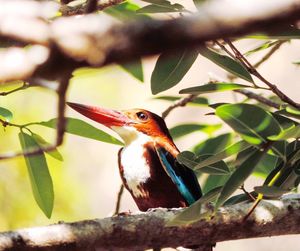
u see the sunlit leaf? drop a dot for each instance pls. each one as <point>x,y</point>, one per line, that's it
<point>184,129</point>
<point>292,132</point>
<point>213,87</point>
<point>135,69</point>
<point>226,63</point>
<point>253,123</point>
<point>285,33</point>
<point>40,179</point>
<point>213,145</point>
<point>270,191</point>
<point>160,6</point>
<point>263,46</point>
<point>6,114</point>
<point>170,68</point>
<point>188,159</point>
<point>193,212</point>
<point>124,11</point>
<point>239,176</point>
<point>284,112</point>
<point>266,165</point>
<point>229,151</point>
<point>195,101</point>
<point>42,142</point>
<point>81,128</point>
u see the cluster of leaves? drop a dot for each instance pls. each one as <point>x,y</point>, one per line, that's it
<point>263,141</point>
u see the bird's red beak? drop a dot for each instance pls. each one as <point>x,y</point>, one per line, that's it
<point>104,116</point>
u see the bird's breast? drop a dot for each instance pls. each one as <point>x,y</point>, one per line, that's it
<point>136,170</point>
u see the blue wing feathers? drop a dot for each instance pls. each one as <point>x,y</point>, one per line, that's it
<point>184,178</point>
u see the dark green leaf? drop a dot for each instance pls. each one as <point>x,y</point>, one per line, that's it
<point>284,112</point>
<point>213,145</point>
<point>270,191</point>
<point>135,69</point>
<point>213,181</point>
<point>6,114</point>
<point>229,151</point>
<point>170,68</point>
<point>196,101</point>
<point>42,142</point>
<point>227,63</point>
<point>239,176</point>
<point>184,129</point>
<point>213,87</point>
<point>81,128</point>
<point>285,123</point>
<point>193,212</point>
<point>40,179</point>
<point>237,199</point>
<point>188,159</point>
<point>253,123</point>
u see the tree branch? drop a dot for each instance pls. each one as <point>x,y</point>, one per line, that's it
<point>148,230</point>
<point>94,40</point>
<point>68,10</point>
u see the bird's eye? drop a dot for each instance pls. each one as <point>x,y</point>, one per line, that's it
<point>142,116</point>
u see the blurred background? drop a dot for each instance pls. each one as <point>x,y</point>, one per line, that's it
<point>86,183</point>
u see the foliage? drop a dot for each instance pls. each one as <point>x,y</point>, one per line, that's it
<point>262,140</point>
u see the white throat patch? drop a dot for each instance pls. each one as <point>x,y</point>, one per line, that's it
<point>136,170</point>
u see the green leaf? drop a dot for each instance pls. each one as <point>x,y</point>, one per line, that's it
<point>190,160</point>
<point>285,123</point>
<point>239,198</point>
<point>213,181</point>
<point>124,11</point>
<point>39,175</point>
<point>270,191</point>
<point>42,142</point>
<point>184,129</point>
<point>265,165</point>
<point>253,123</point>
<point>229,151</point>
<point>135,69</point>
<point>198,3</point>
<point>213,145</point>
<point>226,63</point>
<point>81,128</point>
<point>193,212</point>
<point>263,46</point>
<point>196,101</point>
<point>213,87</point>
<point>160,6</point>
<point>170,68</point>
<point>6,114</point>
<point>239,176</point>
<point>292,132</point>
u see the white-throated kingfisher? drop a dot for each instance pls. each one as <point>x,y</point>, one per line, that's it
<point>147,162</point>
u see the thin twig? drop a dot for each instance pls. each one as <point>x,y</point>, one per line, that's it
<point>247,193</point>
<point>60,129</point>
<point>243,60</point>
<point>259,98</point>
<point>270,53</point>
<point>178,103</point>
<point>24,86</point>
<point>118,203</point>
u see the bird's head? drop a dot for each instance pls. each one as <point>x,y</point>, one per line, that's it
<point>129,124</point>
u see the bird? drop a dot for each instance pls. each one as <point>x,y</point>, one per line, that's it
<point>147,162</point>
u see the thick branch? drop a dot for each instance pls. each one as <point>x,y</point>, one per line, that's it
<point>148,230</point>
<point>94,40</point>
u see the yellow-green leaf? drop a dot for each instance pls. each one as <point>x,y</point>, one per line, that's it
<point>6,114</point>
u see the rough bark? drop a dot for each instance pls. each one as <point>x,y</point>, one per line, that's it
<point>96,40</point>
<point>148,230</point>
